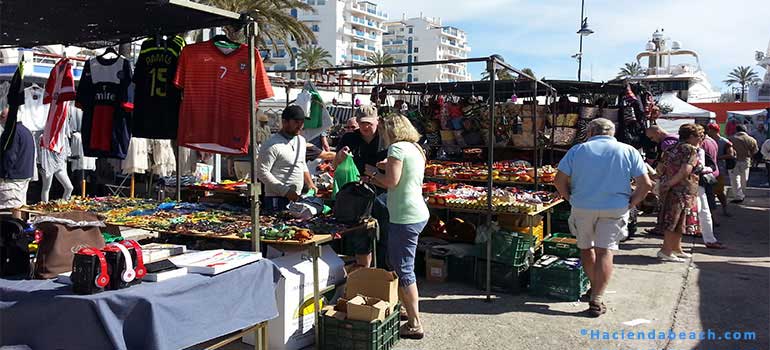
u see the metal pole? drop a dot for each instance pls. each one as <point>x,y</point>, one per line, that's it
<point>580,51</point>
<point>535,160</point>
<point>251,32</point>
<point>178,173</point>
<point>491,65</point>
<point>83,178</point>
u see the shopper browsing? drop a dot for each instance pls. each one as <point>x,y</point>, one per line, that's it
<point>707,153</point>
<point>364,145</point>
<point>595,177</point>
<point>745,147</point>
<point>403,178</point>
<point>679,193</point>
<point>16,162</point>
<point>725,161</point>
<point>281,164</point>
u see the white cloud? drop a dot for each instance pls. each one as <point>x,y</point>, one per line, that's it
<point>724,33</point>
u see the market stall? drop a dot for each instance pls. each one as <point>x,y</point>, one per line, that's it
<point>107,23</point>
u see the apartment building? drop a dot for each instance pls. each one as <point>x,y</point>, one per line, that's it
<point>426,39</point>
<point>350,30</point>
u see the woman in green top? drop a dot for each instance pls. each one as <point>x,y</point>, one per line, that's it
<point>404,171</point>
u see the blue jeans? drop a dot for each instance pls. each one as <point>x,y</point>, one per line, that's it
<point>402,248</point>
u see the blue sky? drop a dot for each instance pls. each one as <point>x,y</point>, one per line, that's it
<point>541,34</point>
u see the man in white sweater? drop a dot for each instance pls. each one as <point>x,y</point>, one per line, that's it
<point>281,164</point>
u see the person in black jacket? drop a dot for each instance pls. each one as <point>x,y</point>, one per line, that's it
<point>17,163</point>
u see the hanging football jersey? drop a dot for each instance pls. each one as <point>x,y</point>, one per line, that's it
<point>59,90</point>
<point>214,116</point>
<point>103,96</point>
<point>156,98</point>
<point>33,112</point>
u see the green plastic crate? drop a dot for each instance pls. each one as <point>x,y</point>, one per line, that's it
<point>360,335</point>
<point>505,279</point>
<point>556,281</point>
<point>561,249</point>
<point>461,269</point>
<point>512,249</point>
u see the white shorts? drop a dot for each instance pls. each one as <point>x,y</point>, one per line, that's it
<point>13,193</point>
<point>599,228</point>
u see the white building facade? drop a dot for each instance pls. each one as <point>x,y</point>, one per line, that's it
<point>350,30</point>
<point>423,39</point>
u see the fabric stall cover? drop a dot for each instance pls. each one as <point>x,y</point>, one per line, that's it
<point>320,119</point>
<point>682,109</point>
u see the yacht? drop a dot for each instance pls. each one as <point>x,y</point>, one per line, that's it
<point>670,68</point>
<point>761,92</point>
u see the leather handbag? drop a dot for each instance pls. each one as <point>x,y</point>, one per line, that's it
<point>354,202</point>
<point>14,247</point>
<point>64,234</point>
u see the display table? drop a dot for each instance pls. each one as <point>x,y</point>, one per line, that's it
<point>172,314</point>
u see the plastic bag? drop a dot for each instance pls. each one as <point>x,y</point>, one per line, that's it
<point>345,172</point>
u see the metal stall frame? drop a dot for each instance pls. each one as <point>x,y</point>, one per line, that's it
<point>494,64</point>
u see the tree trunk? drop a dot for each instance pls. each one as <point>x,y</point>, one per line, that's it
<point>743,92</point>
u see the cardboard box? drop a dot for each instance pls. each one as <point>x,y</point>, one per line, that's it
<point>375,283</point>
<point>435,269</point>
<point>293,328</point>
<point>363,308</point>
<point>329,311</point>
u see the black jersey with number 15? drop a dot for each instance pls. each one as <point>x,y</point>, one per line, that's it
<point>156,99</point>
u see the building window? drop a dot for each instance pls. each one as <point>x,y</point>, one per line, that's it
<point>401,30</point>
<point>311,2</point>
<point>315,28</point>
<point>416,79</point>
<point>294,13</point>
<point>411,30</point>
<point>415,59</point>
<point>320,2</point>
<point>416,50</point>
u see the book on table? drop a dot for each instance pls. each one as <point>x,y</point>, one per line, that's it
<point>213,262</point>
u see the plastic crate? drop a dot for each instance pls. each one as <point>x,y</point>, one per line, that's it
<point>557,281</point>
<point>359,335</point>
<point>512,249</point>
<point>462,269</point>
<point>562,245</point>
<point>505,278</point>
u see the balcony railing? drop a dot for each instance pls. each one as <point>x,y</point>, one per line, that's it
<point>359,58</point>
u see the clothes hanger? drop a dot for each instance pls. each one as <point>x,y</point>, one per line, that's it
<point>224,42</point>
<point>109,51</point>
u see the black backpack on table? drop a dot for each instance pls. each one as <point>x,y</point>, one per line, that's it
<point>14,249</point>
<point>354,203</point>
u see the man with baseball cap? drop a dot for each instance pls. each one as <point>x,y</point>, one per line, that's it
<point>281,164</point>
<point>364,145</point>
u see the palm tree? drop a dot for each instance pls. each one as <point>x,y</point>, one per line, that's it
<point>274,20</point>
<point>502,74</point>
<point>630,70</point>
<point>313,57</point>
<point>743,76</point>
<point>529,72</point>
<point>380,58</point>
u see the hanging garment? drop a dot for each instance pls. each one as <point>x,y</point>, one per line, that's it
<point>103,97</point>
<point>33,113</point>
<point>137,158</point>
<point>15,99</point>
<point>214,116</point>
<point>156,98</point>
<point>163,160</point>
<point>78,160</point>
<point>59,90</point>
<point>52,162</point>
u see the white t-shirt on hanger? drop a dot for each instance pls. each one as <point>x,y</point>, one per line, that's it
<point>33,113</point>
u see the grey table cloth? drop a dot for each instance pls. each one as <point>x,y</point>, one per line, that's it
<point>171,314</point>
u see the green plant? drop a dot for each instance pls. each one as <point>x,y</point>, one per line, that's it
<point>743,76</point>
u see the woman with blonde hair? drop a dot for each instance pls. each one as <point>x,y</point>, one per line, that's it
<point>404,170</point>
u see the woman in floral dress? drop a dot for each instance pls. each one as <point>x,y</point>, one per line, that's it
<point>679,193</point>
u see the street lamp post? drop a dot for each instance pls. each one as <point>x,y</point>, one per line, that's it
<point>584,31</point>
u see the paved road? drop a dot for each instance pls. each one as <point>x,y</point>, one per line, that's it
<point>718,290</point>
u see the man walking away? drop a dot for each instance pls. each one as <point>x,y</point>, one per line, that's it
<point>766,155</point>
<point>745,147</point>
<point>595,177</point>
<point>725,162</point>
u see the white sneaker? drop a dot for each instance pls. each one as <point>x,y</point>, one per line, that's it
<point>683,255</point>
<point>670,258</point>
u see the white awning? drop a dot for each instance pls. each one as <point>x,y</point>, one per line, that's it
<point>682,109</point>
<point>749,113</point>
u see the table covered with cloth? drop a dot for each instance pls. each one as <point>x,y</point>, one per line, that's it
<point>172,314</point>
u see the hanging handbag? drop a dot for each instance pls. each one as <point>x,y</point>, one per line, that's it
<point>354,203</point>
<point>64,234</point>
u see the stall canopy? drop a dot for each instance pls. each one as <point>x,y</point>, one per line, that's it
<point>98,23</point>
<point>750,113</point>
<point>682,109</point>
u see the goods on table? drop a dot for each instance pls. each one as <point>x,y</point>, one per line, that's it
<point>193,218</point>
<point>502,171</point>
<point>504,200</point>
